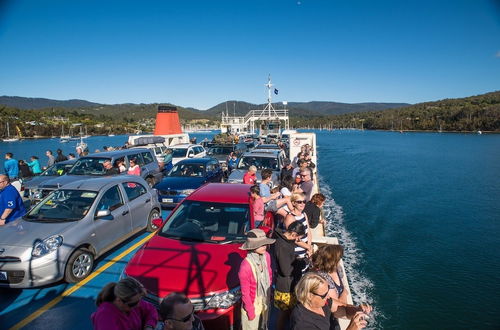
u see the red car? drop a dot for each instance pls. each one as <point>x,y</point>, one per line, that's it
<point>196,251</point>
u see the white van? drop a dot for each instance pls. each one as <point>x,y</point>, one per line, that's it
<point>186,150</point>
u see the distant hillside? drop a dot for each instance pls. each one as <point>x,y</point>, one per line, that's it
<point>473,113</point>
<point>302,109</point>
<point>40,103</point>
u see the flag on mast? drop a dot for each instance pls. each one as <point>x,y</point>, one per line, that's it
<point>276,91</point>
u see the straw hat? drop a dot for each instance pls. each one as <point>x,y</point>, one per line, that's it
<point>255,239</point>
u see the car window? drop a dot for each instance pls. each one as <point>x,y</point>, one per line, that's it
<point>111,200</point>
<point>208,221</point>
<point>62,205</point>
<point>133,190</point>
<point>137,158</point>
<point>89,166</point>
<point>179,152</point>
<point>259,162</point>
<point>188,170</point>
<point>148,158</point>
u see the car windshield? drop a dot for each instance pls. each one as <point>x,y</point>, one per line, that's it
<point>179,152</point>
<point>89,166</point>
<point>57,170</point>
<point>220,150</point>
<point>63,205</point>
<point>208,222</point>
<point>191,170</point>
<point>259,162</point>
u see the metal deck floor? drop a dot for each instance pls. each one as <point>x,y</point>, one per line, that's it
<point>62,305</point>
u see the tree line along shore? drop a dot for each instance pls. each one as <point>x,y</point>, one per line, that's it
<point>470,114</point>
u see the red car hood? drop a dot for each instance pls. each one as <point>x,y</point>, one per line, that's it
<point>165,265</point>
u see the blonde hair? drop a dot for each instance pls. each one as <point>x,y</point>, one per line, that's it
<point>252,168</point>
<point>297,197</point>
<point>309,283</point>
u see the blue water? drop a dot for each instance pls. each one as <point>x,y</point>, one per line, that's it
<point>418,214</point>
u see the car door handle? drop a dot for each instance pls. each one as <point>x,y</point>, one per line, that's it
<point>147,200</point>
<point>125,212</point>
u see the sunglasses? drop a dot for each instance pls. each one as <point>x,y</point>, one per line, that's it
<point>300,202</point>
<point>185,318</point>
<point>322,296</point>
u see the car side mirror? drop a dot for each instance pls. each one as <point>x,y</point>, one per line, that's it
<point>104,214</point>
<point>190,155</point>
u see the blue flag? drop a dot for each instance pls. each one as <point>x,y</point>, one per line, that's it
<point>276,91</point>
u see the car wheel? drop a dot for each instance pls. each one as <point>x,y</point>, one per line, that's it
<point>153,215</point>
<point>150,181</point>
<point>79,265</point>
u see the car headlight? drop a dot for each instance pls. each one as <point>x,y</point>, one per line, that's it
<point>186,191</point>
<point>225,299</point>
<point>48,245</point>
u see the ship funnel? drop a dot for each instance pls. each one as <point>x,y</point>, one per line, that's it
<point>167,121</point>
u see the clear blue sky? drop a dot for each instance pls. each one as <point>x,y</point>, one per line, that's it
<point>201,53</point>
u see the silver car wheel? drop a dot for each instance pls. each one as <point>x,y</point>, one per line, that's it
<point>153,215</point>
<point>82,265</point>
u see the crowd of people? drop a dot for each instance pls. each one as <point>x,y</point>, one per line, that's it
<point>303,282</point>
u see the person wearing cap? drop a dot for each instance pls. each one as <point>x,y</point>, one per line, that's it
<point>286,170</point>
<point>250,177</point>
<point>256,278</point>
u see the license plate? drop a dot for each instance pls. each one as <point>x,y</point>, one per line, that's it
<point>167,200</point>
<point>3,276</point>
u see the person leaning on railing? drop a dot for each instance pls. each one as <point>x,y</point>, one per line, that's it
<point>316,310</point>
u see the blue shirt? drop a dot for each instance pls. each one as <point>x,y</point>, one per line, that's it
<point>10,199</point>
<point>35,166</point>
<point>11,168</point>
<point>265,191</point>
<point>231,163</point>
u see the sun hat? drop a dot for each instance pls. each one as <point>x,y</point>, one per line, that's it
<point>255,239</point>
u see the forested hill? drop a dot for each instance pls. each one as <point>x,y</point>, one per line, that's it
<point>40,103</point>
<point>314,108</point>
<point>480,112</point>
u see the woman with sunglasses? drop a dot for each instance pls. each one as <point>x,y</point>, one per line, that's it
<point>120,306</point>
<point>303,250</point>
<point>315,310</point>
<point>134,168</point>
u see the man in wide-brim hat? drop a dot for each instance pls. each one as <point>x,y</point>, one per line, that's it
<point>255,279</point>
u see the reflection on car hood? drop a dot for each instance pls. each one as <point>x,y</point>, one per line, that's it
<point>37,180</point>
<point>199,268</point>
<point>25,233</point>
<point>177,183</point>
<point>62,180</point>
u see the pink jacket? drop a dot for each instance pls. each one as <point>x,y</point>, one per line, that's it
<point>109,317</point>
<point>249,285</point>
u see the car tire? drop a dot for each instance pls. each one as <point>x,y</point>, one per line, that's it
<point>150,181</point>
<point>79,265</point>
<point>153,215</point>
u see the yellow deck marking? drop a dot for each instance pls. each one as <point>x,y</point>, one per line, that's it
<point>78,285</point>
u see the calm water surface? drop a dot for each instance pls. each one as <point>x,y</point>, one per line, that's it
<point>418,214</point>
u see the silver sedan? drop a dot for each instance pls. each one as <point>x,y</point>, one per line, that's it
<point>62,235</point>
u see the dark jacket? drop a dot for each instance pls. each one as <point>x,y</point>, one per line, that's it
<point>284,254</point>
<point>61,158</point>
<point>313,214</point>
